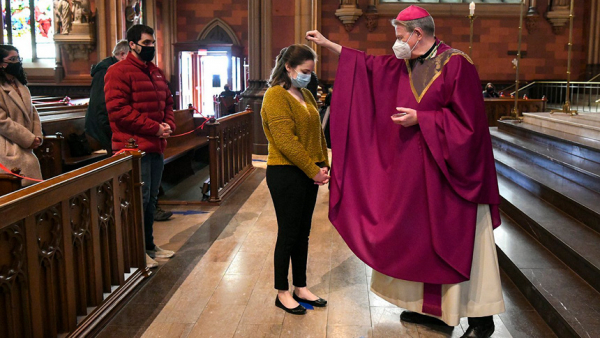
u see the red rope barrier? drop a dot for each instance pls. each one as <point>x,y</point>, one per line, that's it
<point>195,129</point>
<point>17,175</point>
<point>66,100</point>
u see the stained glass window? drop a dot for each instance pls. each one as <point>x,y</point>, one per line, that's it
<point>44,29</point>
<point>31,32</point>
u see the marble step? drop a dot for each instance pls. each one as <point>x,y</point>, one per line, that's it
<point>576,145</point>
<point>521,318</point>
<point>572,167</point>
<point>573,199</point>
<point>585,127</point>
<point>575,244</point>
<point>567,304</point>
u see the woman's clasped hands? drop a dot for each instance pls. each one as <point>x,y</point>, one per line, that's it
<point>322,177</point>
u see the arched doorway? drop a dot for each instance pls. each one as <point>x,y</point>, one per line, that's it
<point>206,65</point>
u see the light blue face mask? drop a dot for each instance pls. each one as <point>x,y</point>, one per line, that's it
<point>301,81</point>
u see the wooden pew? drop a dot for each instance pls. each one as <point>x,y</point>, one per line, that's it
<point>230,147</point>
<point>50,109</point>
<point>66,243</point>
<point>498,107</point>
<point>55,154</point>
<point>9,183</point>
<point>178,146</point>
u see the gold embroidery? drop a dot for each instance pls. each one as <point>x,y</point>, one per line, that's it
<point>438,62</point>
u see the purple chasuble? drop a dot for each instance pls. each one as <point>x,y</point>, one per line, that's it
<point>405,199</point>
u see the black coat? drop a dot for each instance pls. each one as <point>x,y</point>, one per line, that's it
<point>96,118</point>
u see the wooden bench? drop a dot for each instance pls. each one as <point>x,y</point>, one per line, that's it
<point>72,250</point>
<point>498,107</point>
<point>178,146</point>
<point>55,154</point>
<point>230,153</point>
<point>62,108</point>
<point>9,183</point>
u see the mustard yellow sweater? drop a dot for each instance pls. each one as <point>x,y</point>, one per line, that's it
<point>294,132</point>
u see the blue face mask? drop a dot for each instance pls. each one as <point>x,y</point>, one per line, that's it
<point>301,80</point>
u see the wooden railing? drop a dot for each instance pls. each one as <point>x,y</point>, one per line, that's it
<point>9,183</point>
<point>499,107</point>
<point>230,144</point>
<point>69,244</point>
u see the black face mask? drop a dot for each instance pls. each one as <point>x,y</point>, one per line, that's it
<point>147,53</point>
<point>16,70</point>
<point>490,90</point>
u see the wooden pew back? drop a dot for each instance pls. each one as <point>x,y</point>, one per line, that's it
<point>185,122</point>
<point>230,147</point>
<point>55,154</point>
<point>67,241</point>
<point>498,107</point>
<point>9,183</point>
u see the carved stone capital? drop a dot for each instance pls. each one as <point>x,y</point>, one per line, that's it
<point>348,14</point>
<point>372,18</point>
<point>80,42</point>
<point>558,18</point>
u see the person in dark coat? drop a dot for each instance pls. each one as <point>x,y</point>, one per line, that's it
<point>96,118</point>
<point>227,91</point>
<point>490,92</point>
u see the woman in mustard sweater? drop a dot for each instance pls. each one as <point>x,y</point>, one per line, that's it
<point>297,164</point>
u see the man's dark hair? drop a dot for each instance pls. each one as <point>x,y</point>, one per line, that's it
<point>135,32</point>
<point>226,87</point>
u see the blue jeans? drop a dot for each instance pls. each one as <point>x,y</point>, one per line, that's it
<point>152,169</point>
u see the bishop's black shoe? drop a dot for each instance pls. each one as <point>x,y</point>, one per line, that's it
<point>417,318</point>
<point>316,303</point>
<point>298,310</point>
<point>480,327</point>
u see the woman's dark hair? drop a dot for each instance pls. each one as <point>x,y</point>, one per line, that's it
<point>293,56</point>
<point>4,51</point>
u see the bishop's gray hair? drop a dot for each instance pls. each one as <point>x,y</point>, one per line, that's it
<point>426,24</point>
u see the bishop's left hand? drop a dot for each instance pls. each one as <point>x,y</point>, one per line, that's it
<point>408,120</point>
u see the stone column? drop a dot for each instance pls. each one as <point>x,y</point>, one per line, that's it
<point>307,18</point>
<point>260,63</point>
<point>169,28</point>
<point>101,27</point>
<point>593,57</point>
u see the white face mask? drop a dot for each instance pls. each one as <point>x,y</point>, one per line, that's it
<point>301,81</point>
<point>402,49</point>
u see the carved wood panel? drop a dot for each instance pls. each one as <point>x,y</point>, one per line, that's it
<point>106,223</point>
<point>127,222</point>
<point>53,293</point>
<point>83,253</point>
<point>14,299</point>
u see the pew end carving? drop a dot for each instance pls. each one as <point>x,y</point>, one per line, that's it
<point>230,148</point>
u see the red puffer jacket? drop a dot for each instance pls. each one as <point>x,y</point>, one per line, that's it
<point>137,100</point>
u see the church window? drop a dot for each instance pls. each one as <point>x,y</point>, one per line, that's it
<point>31,31</point>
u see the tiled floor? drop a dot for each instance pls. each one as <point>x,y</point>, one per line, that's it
<point>229,292</point>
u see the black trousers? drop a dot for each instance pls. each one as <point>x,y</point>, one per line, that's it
<point>294,196</point>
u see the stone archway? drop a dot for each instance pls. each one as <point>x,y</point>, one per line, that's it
<point>218,31</point>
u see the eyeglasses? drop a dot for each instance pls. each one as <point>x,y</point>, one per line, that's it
<point>13,59</point>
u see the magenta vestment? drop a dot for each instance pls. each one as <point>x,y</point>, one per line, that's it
<point>405,199</point>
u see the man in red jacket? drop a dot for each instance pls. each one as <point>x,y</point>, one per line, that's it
<point>140,106</point>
